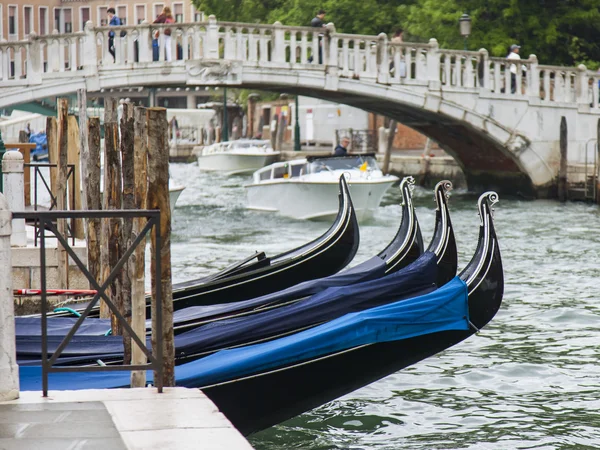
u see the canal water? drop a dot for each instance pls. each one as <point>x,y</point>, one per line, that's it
<point>530,379</point>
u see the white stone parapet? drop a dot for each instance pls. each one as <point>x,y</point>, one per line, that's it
<point>14,191</point>
<point>9,371</point>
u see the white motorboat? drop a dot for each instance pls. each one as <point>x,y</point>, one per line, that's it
<point>308,188</point>
<point>174,193</point>
<point>236,157</point>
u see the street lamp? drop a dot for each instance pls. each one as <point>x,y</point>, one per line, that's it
<point>297,127</point>
<point>465,27</point>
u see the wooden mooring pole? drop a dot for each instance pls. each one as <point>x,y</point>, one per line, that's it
<point>562,171</point>
<point>597,165</point>
<point>61,188</point>
<point>74,183</point>
<point>111,229</point>
<point>92,195</point>
<point>137,261</point>
<point>127,156</point>
<point>158,198</point>
<point>388,148</point>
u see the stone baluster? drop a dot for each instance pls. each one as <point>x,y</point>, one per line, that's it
<point>408,62</point>
<point>547,94</point>
<point>483,69</point>
<point>330,47</point>
<point>34,63</point>
<point>583,85</point>
<point>73,63</point>
<point>559,86</point>
<point>433,65</point>
<point>4,62</point>
<point>383,63</point>
<point>315,47</point>
<point>17,62</point>
<point>9,370</point>
<point>144,41</point>
<point>130,45</point>
<point>212,38</point>
<point>304,51</point>
<point>507,78</point>
<point>252,46</point>
<point>533,77</point>
<point>519,78</point>
<point>54,53</point>
<point>229,44</point>
<point>397,55</point>
<point>278,52</point>
<point>293,47</point>
<point>263,42</point>
<point>345,57</point>
<point>89,54</point>
<point>358,65</point>
<point>14,192</point>
<point>240,45</point>
<point>595,93</point>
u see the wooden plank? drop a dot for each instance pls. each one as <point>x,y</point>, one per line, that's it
<point>138,286</point>
<point>128,203</point>
<point>74,183</point>
<point>111,233</point>
<point>61,188</point>
<point>158,198</point>
<point>93,199</point>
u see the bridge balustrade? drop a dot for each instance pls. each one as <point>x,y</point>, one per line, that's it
<point>372,58</point>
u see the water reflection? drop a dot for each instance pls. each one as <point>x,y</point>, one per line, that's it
<point>530,379</point>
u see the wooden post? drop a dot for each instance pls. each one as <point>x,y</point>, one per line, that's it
<point>74,184</point>
<point>158,198</point>
<point>51,137</point>
<point>61,188</point>
<point>138,284</point>
<point>92,197</point>
<point>562,171</point>
<point>83,143</point>
<point>128,203</point>
<point>388,148</point>
<point>111,230</point>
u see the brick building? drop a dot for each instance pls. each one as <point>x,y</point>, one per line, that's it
<point>18,18</point>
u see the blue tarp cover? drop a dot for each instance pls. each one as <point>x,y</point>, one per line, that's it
<point>441,310</point>
<point>415,279</point>
<point>368,270</point>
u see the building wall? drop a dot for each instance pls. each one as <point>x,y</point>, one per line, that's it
<point>19,17</point>
<point>405,138</point>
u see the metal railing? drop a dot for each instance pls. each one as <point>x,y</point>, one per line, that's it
<point>155,357</point>
<point>53,200</point>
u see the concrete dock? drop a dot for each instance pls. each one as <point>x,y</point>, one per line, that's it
<point>116,419</point>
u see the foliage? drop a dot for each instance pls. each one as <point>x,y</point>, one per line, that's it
<point>560,32</point>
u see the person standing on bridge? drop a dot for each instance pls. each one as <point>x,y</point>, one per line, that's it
<point>166,17</point>
<point>513,54</point>
<point>319,22</point>
<point>113,21</point>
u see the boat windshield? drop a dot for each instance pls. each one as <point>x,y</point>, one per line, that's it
<point>250,144</point>
<point>343,163</point>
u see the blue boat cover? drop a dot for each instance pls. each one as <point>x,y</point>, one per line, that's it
<point>441,310</point>
<point>59,326</point>
<point>415,279</point>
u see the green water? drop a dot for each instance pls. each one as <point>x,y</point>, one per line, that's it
<point>529,380</point>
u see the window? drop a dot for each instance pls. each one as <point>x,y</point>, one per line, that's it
<point>57,20</point>
<point>122,14</point>
<point>158,7</point>
<point>197,15</point>
<point>12,20</point>
<point>84,16</point>
<point>43,20</point>
<point>103,15</point>
<point>27,20</point>
<point>178,12</point>
<point>68,20</point>
<point>140,13</point>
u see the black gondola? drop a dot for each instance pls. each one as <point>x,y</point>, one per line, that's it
<point>260,400</point>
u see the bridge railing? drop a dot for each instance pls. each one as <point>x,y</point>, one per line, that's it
<point>366,57</point>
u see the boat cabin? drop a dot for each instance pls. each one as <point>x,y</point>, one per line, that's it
<point>315,164</point>
<point>238,145</point>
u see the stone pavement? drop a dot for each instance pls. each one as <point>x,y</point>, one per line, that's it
<point>116,419</point>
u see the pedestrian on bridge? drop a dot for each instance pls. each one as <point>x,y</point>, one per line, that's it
<point>513,54</point>
<point>166,17</point>
<point>113,21</point>
<point>319,22</point>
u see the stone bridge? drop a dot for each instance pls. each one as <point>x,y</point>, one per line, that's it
<point>461,99</point>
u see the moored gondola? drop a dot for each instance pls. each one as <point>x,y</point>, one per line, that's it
<point>261,385</point>
<point>264,398</point>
